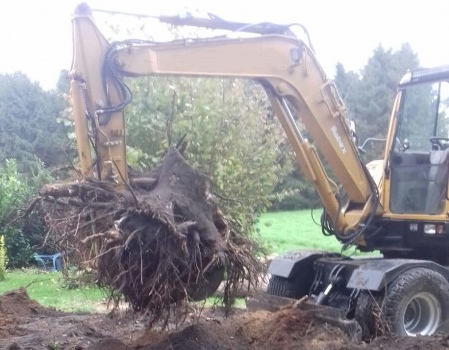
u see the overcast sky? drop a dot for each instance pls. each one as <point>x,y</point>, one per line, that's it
<point>36,34</point>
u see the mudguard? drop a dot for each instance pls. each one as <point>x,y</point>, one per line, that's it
<point>367,273</point>
<point>288,264</point>
<point>375,274</point>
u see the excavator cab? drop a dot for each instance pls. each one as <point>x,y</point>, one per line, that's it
<point>418,160</point>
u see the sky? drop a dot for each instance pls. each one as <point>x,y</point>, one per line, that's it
<point>36,40</point>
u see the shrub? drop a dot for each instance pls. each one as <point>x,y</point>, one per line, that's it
<point>16,189</point>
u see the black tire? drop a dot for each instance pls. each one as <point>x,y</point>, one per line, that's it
<point>285,287</point>
<point>416,303</point>
<point>368,314</point>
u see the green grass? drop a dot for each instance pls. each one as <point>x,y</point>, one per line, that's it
<point>46,289</point>
<point>292,230</point>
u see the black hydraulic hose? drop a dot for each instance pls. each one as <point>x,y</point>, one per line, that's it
<point>328,228</point>
<point>111,70</point>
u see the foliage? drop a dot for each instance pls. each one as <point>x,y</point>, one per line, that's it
<point>369,95</point>
<point>28,126</point>
<point>293,192</point>
<point>30,140</point>
<point>18,247</point>
<point>16,189</point>
<point>73,278</point>
<point>2,258</point>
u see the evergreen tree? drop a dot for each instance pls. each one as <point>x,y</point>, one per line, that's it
<point>28,127</point>
<point>369,96</point>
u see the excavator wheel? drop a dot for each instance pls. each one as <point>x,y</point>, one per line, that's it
<point>285,287</point>
<point>417,303</point>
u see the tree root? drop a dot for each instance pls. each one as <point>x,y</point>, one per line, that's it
<point>162,245</point>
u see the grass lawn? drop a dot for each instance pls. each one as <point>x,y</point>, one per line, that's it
<point>45,287</point>
<point>292,230</point>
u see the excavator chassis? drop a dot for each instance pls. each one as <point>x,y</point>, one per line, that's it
<point>328,285</point>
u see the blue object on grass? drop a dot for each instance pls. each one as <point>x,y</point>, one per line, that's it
<point>49,262</point>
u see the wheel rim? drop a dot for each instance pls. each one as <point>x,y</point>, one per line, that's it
<point>422,315</point>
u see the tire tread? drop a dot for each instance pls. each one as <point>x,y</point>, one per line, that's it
<point>282,287</point>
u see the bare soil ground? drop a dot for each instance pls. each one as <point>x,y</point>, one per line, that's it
<point>24,324</point>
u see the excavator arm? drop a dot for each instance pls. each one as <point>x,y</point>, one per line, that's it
<point>286,67</point>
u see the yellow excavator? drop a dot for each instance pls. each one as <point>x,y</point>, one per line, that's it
<point>397,205</point>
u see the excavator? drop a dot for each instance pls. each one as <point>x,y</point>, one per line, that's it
<point>397,206</point>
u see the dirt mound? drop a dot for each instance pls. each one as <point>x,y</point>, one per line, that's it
<point>24,324</point>
<point>16,306</point>
<point>289,328</point>
<point>200,336</point>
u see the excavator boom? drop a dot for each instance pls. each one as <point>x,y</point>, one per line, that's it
<point>285,66</point>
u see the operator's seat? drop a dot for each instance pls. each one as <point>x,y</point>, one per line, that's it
<point>437,180</point>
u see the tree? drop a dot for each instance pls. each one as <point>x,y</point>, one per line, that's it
<point>369,95</point>
<point>28,126</point>
<point>16,189</point>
